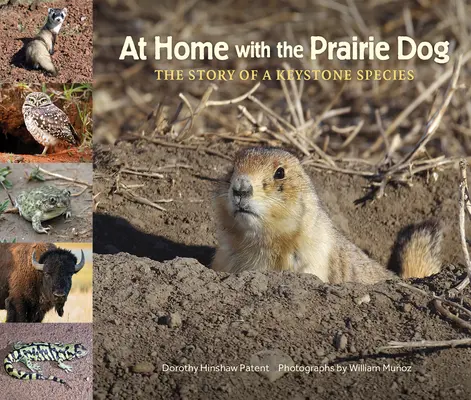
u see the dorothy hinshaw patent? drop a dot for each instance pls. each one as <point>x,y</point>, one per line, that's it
<point>406,48</point>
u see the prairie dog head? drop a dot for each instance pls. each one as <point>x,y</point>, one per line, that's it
<point>265,192</point>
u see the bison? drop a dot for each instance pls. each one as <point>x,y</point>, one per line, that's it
<point>34,278</point>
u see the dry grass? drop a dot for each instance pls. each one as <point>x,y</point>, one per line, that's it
<point>319,119</point>
<point>79,308</point>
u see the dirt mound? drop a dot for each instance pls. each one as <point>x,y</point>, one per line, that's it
<point>180,313</point>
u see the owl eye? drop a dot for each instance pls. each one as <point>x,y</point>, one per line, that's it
<point>279,173</point>
<point>52,200</point>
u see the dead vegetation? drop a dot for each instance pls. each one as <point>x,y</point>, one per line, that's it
<point>385,131</point>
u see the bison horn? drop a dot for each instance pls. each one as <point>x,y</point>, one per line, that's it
<point>35,262</point>
<point>80,265</point>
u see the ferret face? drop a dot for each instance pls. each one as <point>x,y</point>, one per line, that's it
<point>57,15</point>
<point>265,188</point>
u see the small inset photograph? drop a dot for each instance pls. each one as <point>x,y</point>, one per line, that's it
<point>46,282</point>
<point>46,202</point>
<point>46,123</point>
<point>46,41</point>
<point>53,361</point>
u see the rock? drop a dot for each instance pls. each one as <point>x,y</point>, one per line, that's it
<point>363,299</point>
<point>407,307</point>
<point>244,312</point>
<point>340,341</point>
<point>271,359</point>
<point>144,367</point>
<point>259,284</point>
<point>174,320</point>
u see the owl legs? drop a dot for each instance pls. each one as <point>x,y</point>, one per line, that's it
<point>45,151</point>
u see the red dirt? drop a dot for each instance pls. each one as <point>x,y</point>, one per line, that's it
<point>74,47</point>
<point>67,156</point>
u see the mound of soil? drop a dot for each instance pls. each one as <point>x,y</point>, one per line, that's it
<point>179,313</point>
<point>73,55</point>
<point>152,308</point>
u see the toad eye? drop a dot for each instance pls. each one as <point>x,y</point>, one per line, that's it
<point>279,173</point>
<point>52,200</point>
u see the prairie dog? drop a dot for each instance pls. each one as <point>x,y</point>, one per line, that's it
<point>40,49</point>
<point>270,218</point>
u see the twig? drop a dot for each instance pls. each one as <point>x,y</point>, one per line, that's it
<point>435,297</point>
<point>457,320</point>
<point>464,245</point>
<point>143,200</point>
<point>234,100</point>
<point>79,193</point>
<point>426,343</point>
<point>78,181</point>
<point>352,134</point>
<point>8,194</point>
<point>181,146</point>
<point>189,123</point>
<point>149,174</point>
<point>347,171</point>
<point>434,122</point>
<point>419,100</point>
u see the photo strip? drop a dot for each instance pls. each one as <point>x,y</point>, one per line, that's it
<point>46,199</point>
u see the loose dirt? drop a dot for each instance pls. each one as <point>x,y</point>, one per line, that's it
<point>80,379</point>
<point>152,306</point>
<point>73,55</point>
<point>76,229</point>
<point>63,156</point>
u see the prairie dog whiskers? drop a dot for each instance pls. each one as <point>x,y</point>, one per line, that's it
<point>269,217</point>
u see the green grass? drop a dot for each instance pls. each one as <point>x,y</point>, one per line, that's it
<point>4,206</point>
<point>5,183</point>
<point>36,175</point>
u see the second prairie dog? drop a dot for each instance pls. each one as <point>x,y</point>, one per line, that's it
<point>270,218</point>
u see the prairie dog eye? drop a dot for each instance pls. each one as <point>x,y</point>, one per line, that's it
<point>279,173</point>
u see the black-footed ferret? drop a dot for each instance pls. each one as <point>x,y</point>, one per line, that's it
<point>40,49</point>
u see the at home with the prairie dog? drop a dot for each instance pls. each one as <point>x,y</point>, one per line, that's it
<point>269,217</point>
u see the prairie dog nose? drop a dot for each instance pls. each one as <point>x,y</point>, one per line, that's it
<point>242,187</point>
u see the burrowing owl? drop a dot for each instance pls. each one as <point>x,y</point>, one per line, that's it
<point>47,123</point>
